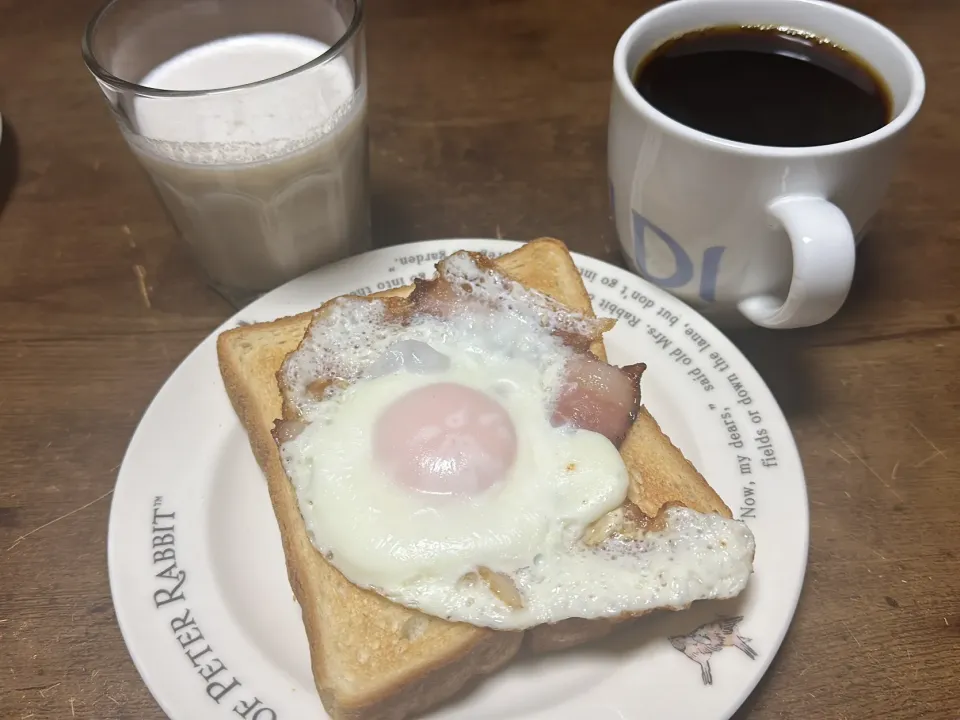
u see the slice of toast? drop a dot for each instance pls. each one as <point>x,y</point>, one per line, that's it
<point>373,659</point>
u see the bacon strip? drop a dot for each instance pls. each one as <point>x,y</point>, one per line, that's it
<point>288,429</point>
<point>599,397</point>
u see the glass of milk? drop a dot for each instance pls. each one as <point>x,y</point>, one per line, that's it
<point>250,120</point>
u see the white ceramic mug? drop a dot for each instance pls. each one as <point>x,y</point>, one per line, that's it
<point>727,226</point>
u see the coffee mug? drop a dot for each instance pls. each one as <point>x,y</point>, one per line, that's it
<point>735,229</point>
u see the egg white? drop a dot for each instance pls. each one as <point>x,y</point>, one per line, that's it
<point>382,535</point>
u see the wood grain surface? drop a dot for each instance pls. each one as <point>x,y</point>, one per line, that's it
<point>487,118</point>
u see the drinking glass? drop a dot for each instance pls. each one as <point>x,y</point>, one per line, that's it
<point>249,118</point>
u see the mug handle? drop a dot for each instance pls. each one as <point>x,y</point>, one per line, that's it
<point>824,253</point>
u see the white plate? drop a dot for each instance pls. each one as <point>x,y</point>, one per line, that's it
<point>197,571</point>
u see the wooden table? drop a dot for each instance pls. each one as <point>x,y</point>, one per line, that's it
<point>487,118</point>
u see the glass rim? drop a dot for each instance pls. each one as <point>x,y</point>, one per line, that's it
<point>119,84</point>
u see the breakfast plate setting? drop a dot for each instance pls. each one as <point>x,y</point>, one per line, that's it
<point>197,568</point>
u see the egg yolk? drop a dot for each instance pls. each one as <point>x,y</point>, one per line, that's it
<point>445,439</point>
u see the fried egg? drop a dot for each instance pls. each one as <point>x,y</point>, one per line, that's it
<point>434,471</point>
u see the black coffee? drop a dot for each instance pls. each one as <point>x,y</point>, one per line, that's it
<point>764,86</point>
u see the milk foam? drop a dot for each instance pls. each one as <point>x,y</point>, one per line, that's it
<point>246,124</point>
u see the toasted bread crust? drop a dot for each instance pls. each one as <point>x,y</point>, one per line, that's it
<point>375,660</point>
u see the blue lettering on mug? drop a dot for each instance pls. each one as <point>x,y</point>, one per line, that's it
<point>709,273</point>
<point>683,264</point>
<point>683,271</point>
